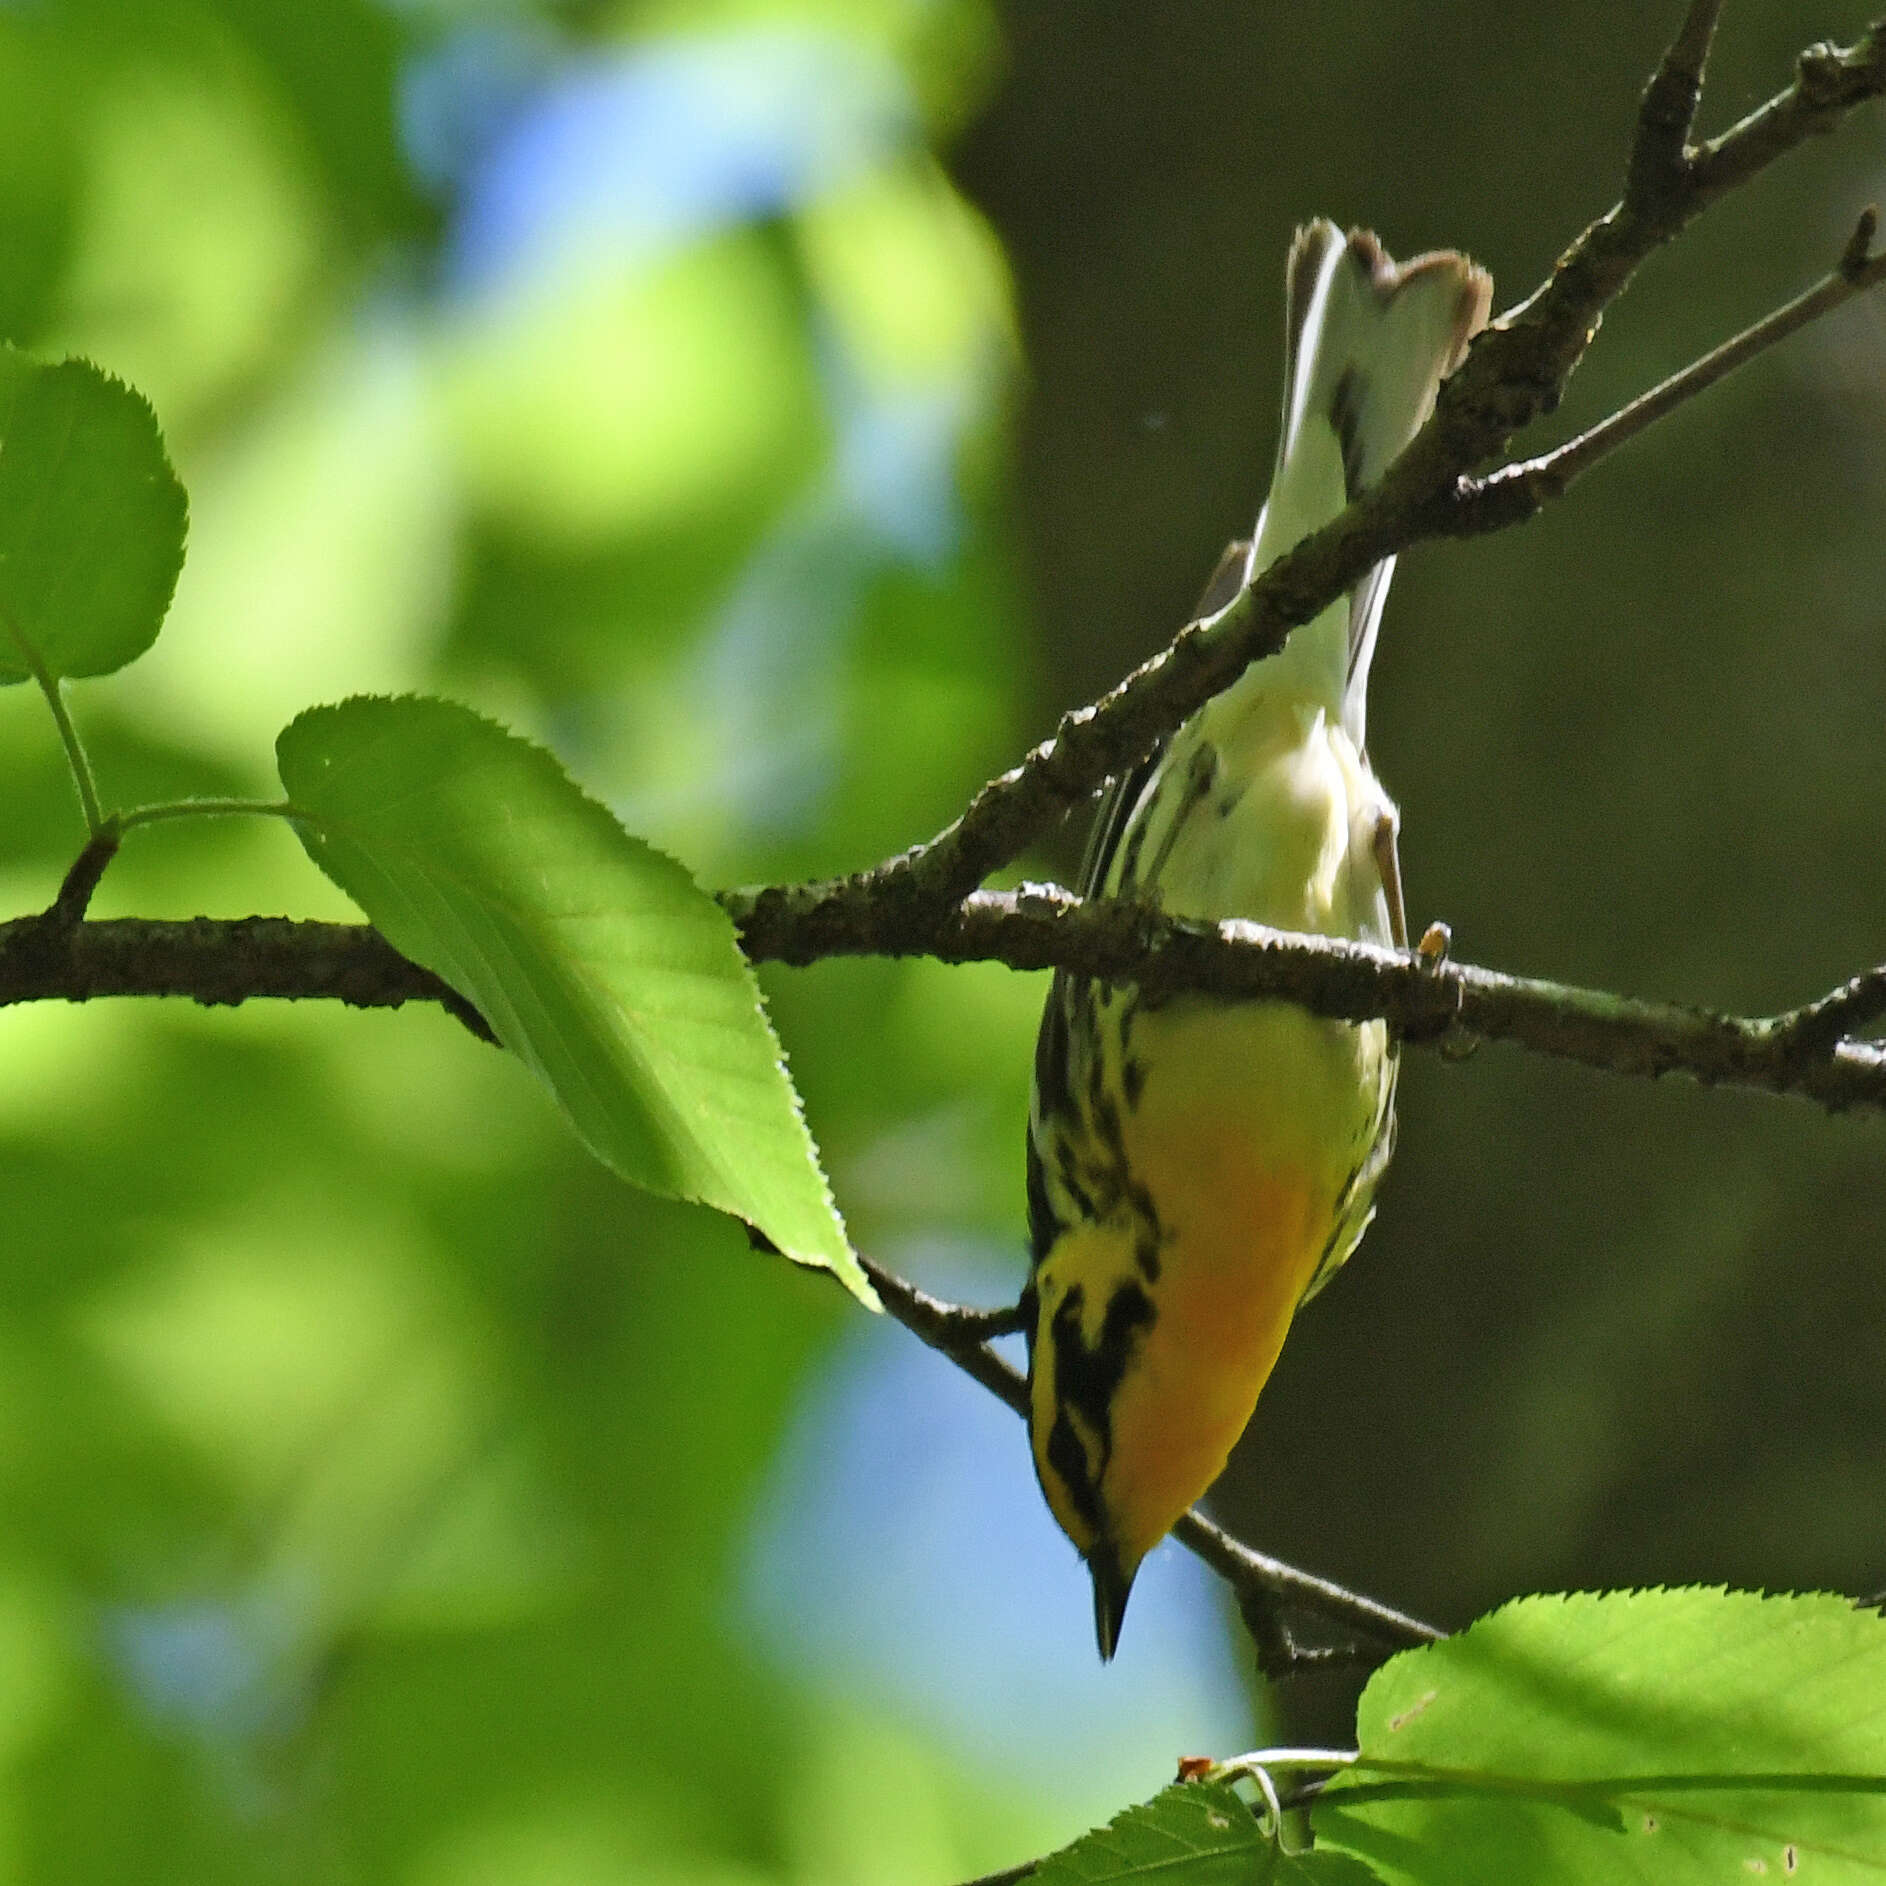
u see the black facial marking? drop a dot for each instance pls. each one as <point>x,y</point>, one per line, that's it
<point>1069,1460</point>
<point>1086,1380</point>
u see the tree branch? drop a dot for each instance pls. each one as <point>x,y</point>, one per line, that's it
<point>214,961</point>
<point>1264,1586</point>
<point>1806,1051</point>
<point>1803,1051</point>
<point>920,902</point>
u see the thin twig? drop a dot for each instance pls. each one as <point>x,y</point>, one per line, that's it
<point>1660,152</point>
<point>75,892</point>
<point>951,1330</point>
<point>1829,82</point>
<point>1516,492</point>
<point>1250,1572</point>
<point>1817,1028</point>
<point>1260,1582</point>
<point>1281,1653</point>
<point>939,1325</point>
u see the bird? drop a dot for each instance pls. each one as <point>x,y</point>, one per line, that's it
<point>1198,1167</point>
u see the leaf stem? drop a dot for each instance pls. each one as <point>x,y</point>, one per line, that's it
<point>1235,1765</point>
<point>205,808</point>
<point>48,682</point>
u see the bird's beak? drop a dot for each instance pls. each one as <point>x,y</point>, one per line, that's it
<point>1112,1588</point>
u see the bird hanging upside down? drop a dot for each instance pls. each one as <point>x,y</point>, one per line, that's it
<point>1197,1168</point>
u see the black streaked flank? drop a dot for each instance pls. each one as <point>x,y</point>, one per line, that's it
<point>1201,774</point>
<point>1149,1234</point>
<point>1129,1014</point>
<point>1070,1169</point>
<point>1044,1223</point>
<point>1097,1082</point>
<point>1110,824</point>
<point>1146,1252</point>
<point>1052,1093</point>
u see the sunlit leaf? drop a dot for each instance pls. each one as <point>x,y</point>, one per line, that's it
<point>91,520</point>
<point>594,958</point>
<point>1653,1735</point>
<point>1193,1835</point>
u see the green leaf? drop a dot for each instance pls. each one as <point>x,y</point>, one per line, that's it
<point>1195,1834</point>
<point>1654,1735</point>
<point>595,959</point>
<point>1321,1866</point>
<point>92,520</point>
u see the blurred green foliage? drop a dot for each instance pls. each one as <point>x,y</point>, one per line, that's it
<point>378,1472</point>
<point>377,1475</point>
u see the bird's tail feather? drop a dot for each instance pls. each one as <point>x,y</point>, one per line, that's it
<point>1369,342</point>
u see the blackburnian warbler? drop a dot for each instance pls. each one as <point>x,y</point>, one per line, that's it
<point>1197,1168</point>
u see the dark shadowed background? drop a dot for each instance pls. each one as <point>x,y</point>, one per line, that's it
<point>786,408</point>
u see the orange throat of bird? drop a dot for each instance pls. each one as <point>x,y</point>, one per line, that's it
<point>1147,1365</point>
